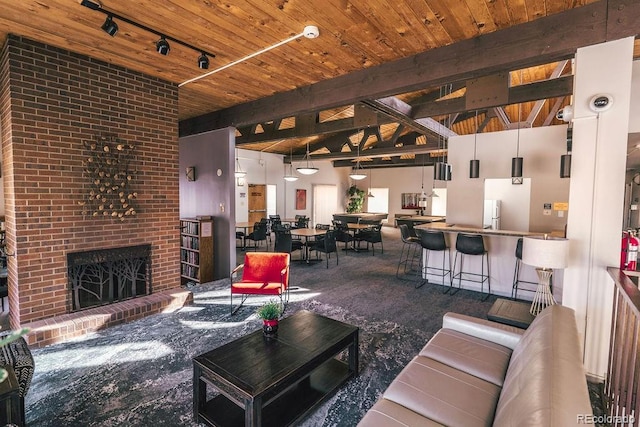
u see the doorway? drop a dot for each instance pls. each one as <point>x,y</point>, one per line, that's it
<point>257,202</point>
<point>325,203</point>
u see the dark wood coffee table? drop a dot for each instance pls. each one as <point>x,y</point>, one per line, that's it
<point>509,312</point>
<point>275,381</point>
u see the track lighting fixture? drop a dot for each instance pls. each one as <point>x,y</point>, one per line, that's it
<point>162,46</point>
<point>203,61</point>
<point>109,26</point>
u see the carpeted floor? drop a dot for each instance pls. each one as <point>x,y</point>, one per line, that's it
<point>140,374</point>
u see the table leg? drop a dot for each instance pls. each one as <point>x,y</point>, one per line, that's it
<point>354,350</point>
<point>199,393</point>
<point>253,412</point>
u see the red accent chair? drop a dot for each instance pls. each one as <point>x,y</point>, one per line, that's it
<point>263,273</point>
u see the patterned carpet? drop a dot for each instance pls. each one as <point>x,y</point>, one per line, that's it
<point>140,374</point>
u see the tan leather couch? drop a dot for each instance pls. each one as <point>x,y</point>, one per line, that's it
<point>474,372</point>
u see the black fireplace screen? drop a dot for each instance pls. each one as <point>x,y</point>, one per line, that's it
<point>104,276</point>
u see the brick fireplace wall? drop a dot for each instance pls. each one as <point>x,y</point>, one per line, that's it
<point>51,102</point>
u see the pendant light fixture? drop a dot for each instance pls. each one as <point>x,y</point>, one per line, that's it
<point>565,159</point>
<point>357,173</point>
<point>370,179</point>
<point>290,176</point>
<point>308,169</point>
<point>474,165</point>
<point>422,199</point>
<point>239,173</point>
<point>516,162</point>
<point>442,169</point>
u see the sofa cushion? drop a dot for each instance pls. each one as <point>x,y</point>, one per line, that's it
<point>386,413</point>
<point>545,382</point>
<point>475,356</point>
<point>444,394</point>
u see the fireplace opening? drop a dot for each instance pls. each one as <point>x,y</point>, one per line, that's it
<point>105,276</point>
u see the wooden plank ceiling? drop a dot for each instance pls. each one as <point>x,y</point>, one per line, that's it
<point>355,35</point>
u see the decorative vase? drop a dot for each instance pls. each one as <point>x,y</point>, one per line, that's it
<point>270,327</point>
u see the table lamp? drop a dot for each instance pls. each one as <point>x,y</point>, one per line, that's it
<point>545,253</point>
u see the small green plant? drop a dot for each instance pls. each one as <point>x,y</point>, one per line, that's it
<point>14,335</point>
<point>269,311</point>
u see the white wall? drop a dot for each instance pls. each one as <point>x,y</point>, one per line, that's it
<point>265,168</point>
<point>398,181</point>
<point>634,108</point>
<point>540,149</point>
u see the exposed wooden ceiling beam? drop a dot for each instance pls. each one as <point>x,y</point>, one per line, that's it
<point>541,41</point>
<point>419,160</point>
<point>402,112</point>
<point>553,88</point>
<point>371,153</point>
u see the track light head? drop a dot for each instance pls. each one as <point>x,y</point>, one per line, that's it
<point>162,46</point>
<point>203,61</point>
<point>109,26</point>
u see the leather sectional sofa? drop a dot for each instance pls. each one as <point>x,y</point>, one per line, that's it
<point>474,372</point>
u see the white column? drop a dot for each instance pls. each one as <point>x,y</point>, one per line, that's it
<point>596,197</point>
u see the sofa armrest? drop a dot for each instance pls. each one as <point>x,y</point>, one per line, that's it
<point>504,335</point>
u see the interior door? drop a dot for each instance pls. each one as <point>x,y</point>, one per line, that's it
<point>257,202</point>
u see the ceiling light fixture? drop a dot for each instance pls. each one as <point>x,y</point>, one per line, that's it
<point>309,169</point>
<point>370,179</point>
<point>109,26</point>
<point>517,161</point>
<point>474,165</point>
<point>357,173</point>
<point>162,45</point>
<point>239,173</point>
<point>310,32</point>
<point>290,176</point>
<point>203,61</point>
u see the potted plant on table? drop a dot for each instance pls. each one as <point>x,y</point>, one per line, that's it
<point>270,313</point>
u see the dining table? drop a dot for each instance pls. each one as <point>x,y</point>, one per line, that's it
<point>307,233</point>
<point>354,228</point>
<point>245,227</point>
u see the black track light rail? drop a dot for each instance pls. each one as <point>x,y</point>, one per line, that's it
<point>97,6</point>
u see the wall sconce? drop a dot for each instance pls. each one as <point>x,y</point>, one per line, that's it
<point>191,173</point>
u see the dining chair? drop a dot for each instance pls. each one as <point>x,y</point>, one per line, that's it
<point>326,244</point>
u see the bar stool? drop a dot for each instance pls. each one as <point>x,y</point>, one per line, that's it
<point>410,253</point>
<point>471,244</point>
<point>516,273</point>
<point>432,240</point>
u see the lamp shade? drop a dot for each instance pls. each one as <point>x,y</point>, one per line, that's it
<point>474,168</point>
<point>516,167</point>
<point>545,252</point>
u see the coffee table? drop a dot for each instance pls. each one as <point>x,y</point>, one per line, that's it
<point>513,313</point>
<point>274,381</point>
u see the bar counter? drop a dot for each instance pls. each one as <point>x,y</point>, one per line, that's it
<point>501,245</point>
<point>469,229</point>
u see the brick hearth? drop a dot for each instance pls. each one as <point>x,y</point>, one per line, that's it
<point>61,328</point>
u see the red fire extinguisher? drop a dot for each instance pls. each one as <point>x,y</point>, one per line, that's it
<point>629,254</point>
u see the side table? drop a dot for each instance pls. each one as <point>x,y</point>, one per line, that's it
<point>513,313</point>
<point>10,412</point>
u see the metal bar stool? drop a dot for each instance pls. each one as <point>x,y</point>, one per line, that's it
<point>410,253</point>
<point>471,244</point>
<point>432,240</point>
<point>516,274</point>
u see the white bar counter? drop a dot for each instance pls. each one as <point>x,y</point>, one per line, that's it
<point>501,245</point>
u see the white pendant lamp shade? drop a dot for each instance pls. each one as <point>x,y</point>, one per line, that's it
<point>357,173</point>
<point>239,173</point>
<point>308,168</point>
<point>290,176</point>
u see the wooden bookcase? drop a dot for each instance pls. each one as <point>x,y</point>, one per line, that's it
<point>196,250</point>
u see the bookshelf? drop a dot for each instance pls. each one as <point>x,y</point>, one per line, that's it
<point>196,250</point>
